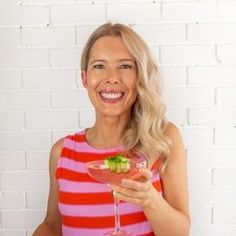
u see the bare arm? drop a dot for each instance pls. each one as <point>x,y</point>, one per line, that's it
<point>169,215</point>
<point>51,226</point>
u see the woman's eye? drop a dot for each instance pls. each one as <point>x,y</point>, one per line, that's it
<point>99,66</point>
<point>126,66</point>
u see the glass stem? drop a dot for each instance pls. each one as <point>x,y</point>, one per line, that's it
<point>117,214</point>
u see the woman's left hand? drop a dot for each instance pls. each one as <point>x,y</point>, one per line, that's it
<point>139,191</point>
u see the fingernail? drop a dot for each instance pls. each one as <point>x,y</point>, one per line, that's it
<point>125,181</point>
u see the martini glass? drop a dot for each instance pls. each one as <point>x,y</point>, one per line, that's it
<point>98,171</point>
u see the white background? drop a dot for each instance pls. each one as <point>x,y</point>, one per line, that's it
<point>41,97</point>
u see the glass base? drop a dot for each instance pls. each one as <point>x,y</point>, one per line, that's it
<point>119,233</point>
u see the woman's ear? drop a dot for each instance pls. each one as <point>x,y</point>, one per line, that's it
<point>84,78</point>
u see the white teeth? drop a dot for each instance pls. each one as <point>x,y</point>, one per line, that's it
<point>111,95</point>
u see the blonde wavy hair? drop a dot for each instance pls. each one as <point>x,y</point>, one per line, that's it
<point>145,132</point>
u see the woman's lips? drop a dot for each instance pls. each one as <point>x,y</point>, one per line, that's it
<point>111,96</point>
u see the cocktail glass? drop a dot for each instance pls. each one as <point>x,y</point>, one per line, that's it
<point>98,171</point>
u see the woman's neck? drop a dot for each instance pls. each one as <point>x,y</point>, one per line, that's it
<point>106,134</point>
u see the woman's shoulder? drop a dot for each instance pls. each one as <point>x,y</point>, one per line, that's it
<point>57,147</point>
<point>172,131</point>
<point>177,148</point>
<point>55,153</point>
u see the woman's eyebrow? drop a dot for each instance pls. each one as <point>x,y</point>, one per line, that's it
<point>97,60</point>
<point>119,60</point>
<point>126,59</point>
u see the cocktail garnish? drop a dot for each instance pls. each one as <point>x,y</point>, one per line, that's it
<point>118,164</point>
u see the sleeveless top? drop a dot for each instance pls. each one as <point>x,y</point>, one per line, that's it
<point>86,205</point>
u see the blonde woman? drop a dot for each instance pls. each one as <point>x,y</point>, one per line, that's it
<point>121,78</point>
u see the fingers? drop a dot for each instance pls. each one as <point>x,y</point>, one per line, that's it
<point>146,173</point>
<point>143,175</point>
<point>135,190</point>
<point>135,200</point>
<point>134,185</point>
<point>127,193</point>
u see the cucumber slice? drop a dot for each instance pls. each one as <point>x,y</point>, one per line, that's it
<point>112,166</point>
<point>118,167</point>
<point>118,164</point>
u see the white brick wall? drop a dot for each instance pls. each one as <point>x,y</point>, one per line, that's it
<point>42,99</point>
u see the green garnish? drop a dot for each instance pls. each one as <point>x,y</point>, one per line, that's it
<point>118,164</point>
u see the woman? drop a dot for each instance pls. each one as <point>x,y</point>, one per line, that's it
<point>120,76</point>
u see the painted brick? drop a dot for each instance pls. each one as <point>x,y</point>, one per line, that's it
<point>24,180</point>
<point>188,54</point>
<point>66,57</point>
<point>214,157</point>
<point>51,1</point>
<point>12,200</point>
<point>11,120</point>
<point>189,11</point>
<point>212,229</point>
<point>196,136</point>
<point>224,215</point>
<point>50,36</point>
<point>24,100</point>
<point>225,136</point>
<point>87,118</point>
<point>226,96</point>
<point>51,119</point>
<point>22,218</point>
<point>44,79</point>
<point>70,99</point>
<point>23,15</point>
<point>212,195</point>
<point>12,232</point>
<point>212,116</point>
<point>161,33</point>
<point>25,140</point>
<point>199,176</point>
<point>10,80</point>
<point>143,13</point>
<point>212,75</point>
<point>38,160</point>
<point>9,37</point>
<point>37,199</point>
<point>173,76</point>
<point>154,50</point>
<point>227,10</point>
<point>79,79</point>
<point>200,215</point>
<point>227,53</point>
<point>224,176</point>
<point>170,33</point>
<point>12,161</point>
<point>10,2</point>
<point>212,32</point>
<point>78,14</point>
<point>23,57</point>
<point>83,32</point>
<point>177,115</point>
<point>189,96</point>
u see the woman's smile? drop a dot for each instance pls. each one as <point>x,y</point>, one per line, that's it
<point>111,96</point>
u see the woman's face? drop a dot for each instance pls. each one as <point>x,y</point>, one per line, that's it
<point>111,77</point>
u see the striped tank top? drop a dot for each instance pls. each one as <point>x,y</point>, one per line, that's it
<point>86,205</point>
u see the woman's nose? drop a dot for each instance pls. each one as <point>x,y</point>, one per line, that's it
<point>113,76</point>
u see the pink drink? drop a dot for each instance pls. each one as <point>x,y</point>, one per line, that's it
<point>108,174</point>
<point>98,171</point>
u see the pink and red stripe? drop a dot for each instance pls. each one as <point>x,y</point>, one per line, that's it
<point>86,205</point>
